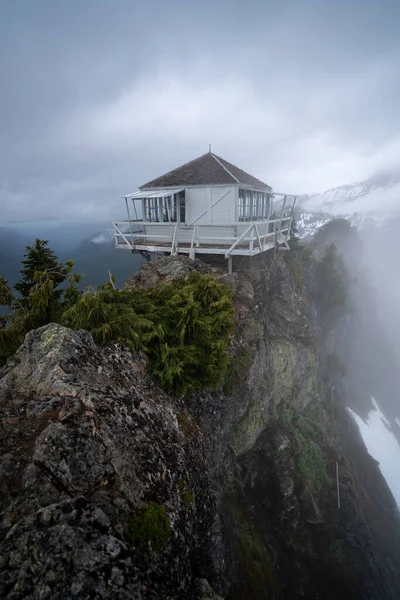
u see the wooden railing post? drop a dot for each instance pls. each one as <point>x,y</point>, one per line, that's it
<point>173,241</point>
<point>192,252</point>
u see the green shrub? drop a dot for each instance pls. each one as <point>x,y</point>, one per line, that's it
<point>184,327</point>
<point>151,528</point>
<point>286,418</point>
<point>40,302</point>
<point>306,429</point>
<point>311,463</point>
<point>312,421</point>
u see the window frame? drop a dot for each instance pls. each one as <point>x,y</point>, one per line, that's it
<point>253,205</point>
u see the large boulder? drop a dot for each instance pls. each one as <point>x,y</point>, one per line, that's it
<point>167,269</point>
<point>87,445</point>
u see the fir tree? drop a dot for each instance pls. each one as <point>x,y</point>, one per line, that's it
<point>197,321</point>
<point>183,326</point>
<point>43,305</point>
<point>6,296</point>
<point>40,258</point>
<point>113,316</point>
<point>6,299</point>
<point>72,294</point>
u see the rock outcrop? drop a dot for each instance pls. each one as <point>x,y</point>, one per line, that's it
<point>111,488</point>
<point>87,445</point>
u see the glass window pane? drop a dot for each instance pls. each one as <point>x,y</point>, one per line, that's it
<point>241,205</point>
<point>248,206</point>
<point>182,207</point>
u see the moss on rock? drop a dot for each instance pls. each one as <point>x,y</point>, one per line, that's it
<point>151,527</point>
<point>259,579</point>
<point>185,492</point>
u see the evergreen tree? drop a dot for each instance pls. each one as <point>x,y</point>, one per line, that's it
<point>184,327</point>
<point>72,294</point>
<point>6,299</point>
<point>39,259</point>
<point>43,305</point>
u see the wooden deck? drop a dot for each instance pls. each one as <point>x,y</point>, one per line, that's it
<point>244,249</point>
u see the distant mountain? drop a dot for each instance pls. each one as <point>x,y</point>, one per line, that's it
<point>12,245</point>
<point>366,204</point>
<point>97,255</point>
<point>90,245</point>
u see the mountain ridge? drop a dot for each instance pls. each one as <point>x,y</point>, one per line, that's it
<point>365,204</point>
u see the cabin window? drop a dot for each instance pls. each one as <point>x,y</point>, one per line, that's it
<point>257,200</point>
<point>248,206</point>
<point>253,206</point>
<point>241,205</point>
<point>266,205</point>
<point>182,207</point>
<point>153,209</point>
<point>171,200</point>
<point>169,209</point>
<point>163,210</point>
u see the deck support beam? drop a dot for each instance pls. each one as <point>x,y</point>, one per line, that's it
<point>230,265</point>
<point>143,254</point>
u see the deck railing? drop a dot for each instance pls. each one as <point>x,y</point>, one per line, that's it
<point>247,237</point>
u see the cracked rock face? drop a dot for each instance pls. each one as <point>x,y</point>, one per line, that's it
<point>165,270</point>
<point>86,443</point>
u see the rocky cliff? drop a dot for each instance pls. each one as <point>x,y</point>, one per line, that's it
<point>111,488</point>
<point>96,462</point>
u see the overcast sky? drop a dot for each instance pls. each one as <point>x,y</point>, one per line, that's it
<point>99,96</point>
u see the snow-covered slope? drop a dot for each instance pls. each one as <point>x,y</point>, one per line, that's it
<point>382,444</point>
<point>365,204</point>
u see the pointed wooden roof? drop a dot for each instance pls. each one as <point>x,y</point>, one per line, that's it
<point>208,169</point>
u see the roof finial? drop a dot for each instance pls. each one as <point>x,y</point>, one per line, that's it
<point>209,148</point>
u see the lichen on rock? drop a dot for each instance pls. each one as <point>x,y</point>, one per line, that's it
<point>88,444</point>
<point>112,488</point>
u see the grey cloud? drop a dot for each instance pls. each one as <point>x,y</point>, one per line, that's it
<point>97,97</point>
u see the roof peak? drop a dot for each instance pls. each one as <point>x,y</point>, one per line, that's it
<point>207,169</point>
<point>218,159</point>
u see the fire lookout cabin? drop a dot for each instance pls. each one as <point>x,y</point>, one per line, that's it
<point>206,206</point>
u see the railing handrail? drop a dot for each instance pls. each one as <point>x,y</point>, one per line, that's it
<point>224,224</point>
<point>239,239</point>
<point>246,235</point>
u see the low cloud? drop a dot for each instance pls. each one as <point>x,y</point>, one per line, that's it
<point>84,123</point>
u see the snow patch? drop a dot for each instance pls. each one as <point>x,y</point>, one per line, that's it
<point>382,445</point>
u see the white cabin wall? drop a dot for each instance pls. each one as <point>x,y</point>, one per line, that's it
<point>198,199</point>
<point>223,211</point>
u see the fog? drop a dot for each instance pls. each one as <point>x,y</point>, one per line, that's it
<point>98,97</point>
<point>382,445</point>
<point>369,340</point>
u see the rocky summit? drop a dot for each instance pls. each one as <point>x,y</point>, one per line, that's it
<point>86,439</point>
<point>259,490</point>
